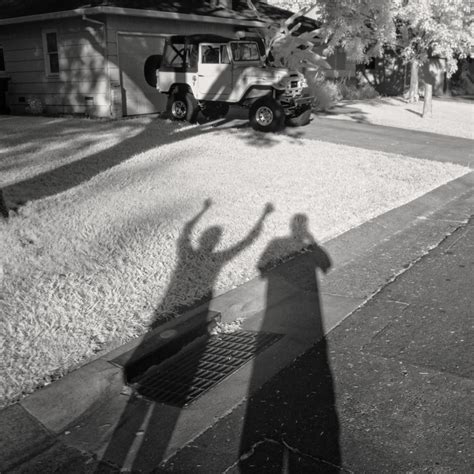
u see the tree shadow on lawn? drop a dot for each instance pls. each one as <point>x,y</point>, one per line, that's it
<point>420,114</point>
<point>67,176</point>
<point>350,108</point>
<point>70,175</point>
<point>346,111</point>
<point>244,131</point>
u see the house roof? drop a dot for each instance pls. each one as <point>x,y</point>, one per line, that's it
<point>240,10</point>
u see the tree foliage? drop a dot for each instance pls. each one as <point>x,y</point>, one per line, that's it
<point>361,27</point>
<point>288,47</point>
<point>417,29</point>
<point>435,28</point>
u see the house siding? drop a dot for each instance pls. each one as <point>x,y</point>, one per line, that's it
<point>82,85</point>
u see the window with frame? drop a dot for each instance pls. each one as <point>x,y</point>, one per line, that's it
<point>51,53</point>
<point>2,59</point>
<point>210,54</point>
<point>175,55</point>
<point>245,51</point>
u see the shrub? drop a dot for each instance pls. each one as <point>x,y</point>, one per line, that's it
<point>325,92</point>
<point>353,89</point>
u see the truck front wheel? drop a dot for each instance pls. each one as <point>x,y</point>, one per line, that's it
<point>182,106</point>
<point>301,118</point>
<point>267,115</point>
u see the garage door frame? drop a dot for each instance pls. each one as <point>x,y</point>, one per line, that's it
<point>131,33</point>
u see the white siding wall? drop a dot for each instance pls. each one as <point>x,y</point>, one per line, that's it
<point>82,80</point>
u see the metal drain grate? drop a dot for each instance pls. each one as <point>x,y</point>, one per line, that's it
<point>199,368</point>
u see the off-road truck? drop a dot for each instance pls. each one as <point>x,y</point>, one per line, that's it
<point>209,73</point>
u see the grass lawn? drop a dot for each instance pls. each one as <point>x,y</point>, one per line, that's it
<point>89,261</point>
<point>453,117</point>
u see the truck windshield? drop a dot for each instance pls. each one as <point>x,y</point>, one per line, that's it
<point>180,55</point>
<point>245,51</point>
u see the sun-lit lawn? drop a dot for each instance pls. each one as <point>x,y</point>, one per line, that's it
<point>453,117</point>
<point>89,261</point>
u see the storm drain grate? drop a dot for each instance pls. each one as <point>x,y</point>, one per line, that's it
<point>199,368</point>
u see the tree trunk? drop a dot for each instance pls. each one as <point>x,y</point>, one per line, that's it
<point>413,94</point>
<point>3,206</point>
<point>428,100</point>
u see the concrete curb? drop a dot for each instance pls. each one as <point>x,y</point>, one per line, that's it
<point>58,405</point>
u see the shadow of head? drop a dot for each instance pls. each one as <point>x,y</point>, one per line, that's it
<point>299,226</point>
<point>210,238</point>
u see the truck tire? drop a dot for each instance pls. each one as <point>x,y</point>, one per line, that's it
<point>302,118</point>
<point>215,110</point>
<point>267,115</point>
<point>182,106</point>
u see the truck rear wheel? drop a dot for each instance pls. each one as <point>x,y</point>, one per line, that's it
<point>267,115</point>
<point>182,106</point>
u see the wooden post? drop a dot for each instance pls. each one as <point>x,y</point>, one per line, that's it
<point>428,100</point>
<point>413,94</point>
<point>429,78</point>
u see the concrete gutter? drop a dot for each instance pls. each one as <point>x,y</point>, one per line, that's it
<point>132,12</point>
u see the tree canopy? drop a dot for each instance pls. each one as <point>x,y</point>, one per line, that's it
<point>435,28</point>
<point>417,29</point>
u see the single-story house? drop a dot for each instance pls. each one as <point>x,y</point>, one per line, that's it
<point>99,57</point>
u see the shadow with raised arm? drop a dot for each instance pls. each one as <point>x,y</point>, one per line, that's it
<point>143,435</point>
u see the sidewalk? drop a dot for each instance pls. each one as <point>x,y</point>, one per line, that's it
<point>388,390</point>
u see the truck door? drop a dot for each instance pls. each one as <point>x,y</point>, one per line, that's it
<point>214,72</point>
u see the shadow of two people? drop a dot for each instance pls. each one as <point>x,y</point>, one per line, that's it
<point>198,268</point>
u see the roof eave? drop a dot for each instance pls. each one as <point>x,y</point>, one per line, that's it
<point>132,12</point>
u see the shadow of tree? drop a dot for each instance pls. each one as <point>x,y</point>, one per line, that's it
<point>414,112</point>
<point>347,109</point>
<point>69,175</point>
<point>66,176</point>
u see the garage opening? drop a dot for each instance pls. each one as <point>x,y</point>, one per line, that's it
<point>139,57</point>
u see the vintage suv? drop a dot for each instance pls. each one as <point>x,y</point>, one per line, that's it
<point>207,73</point>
